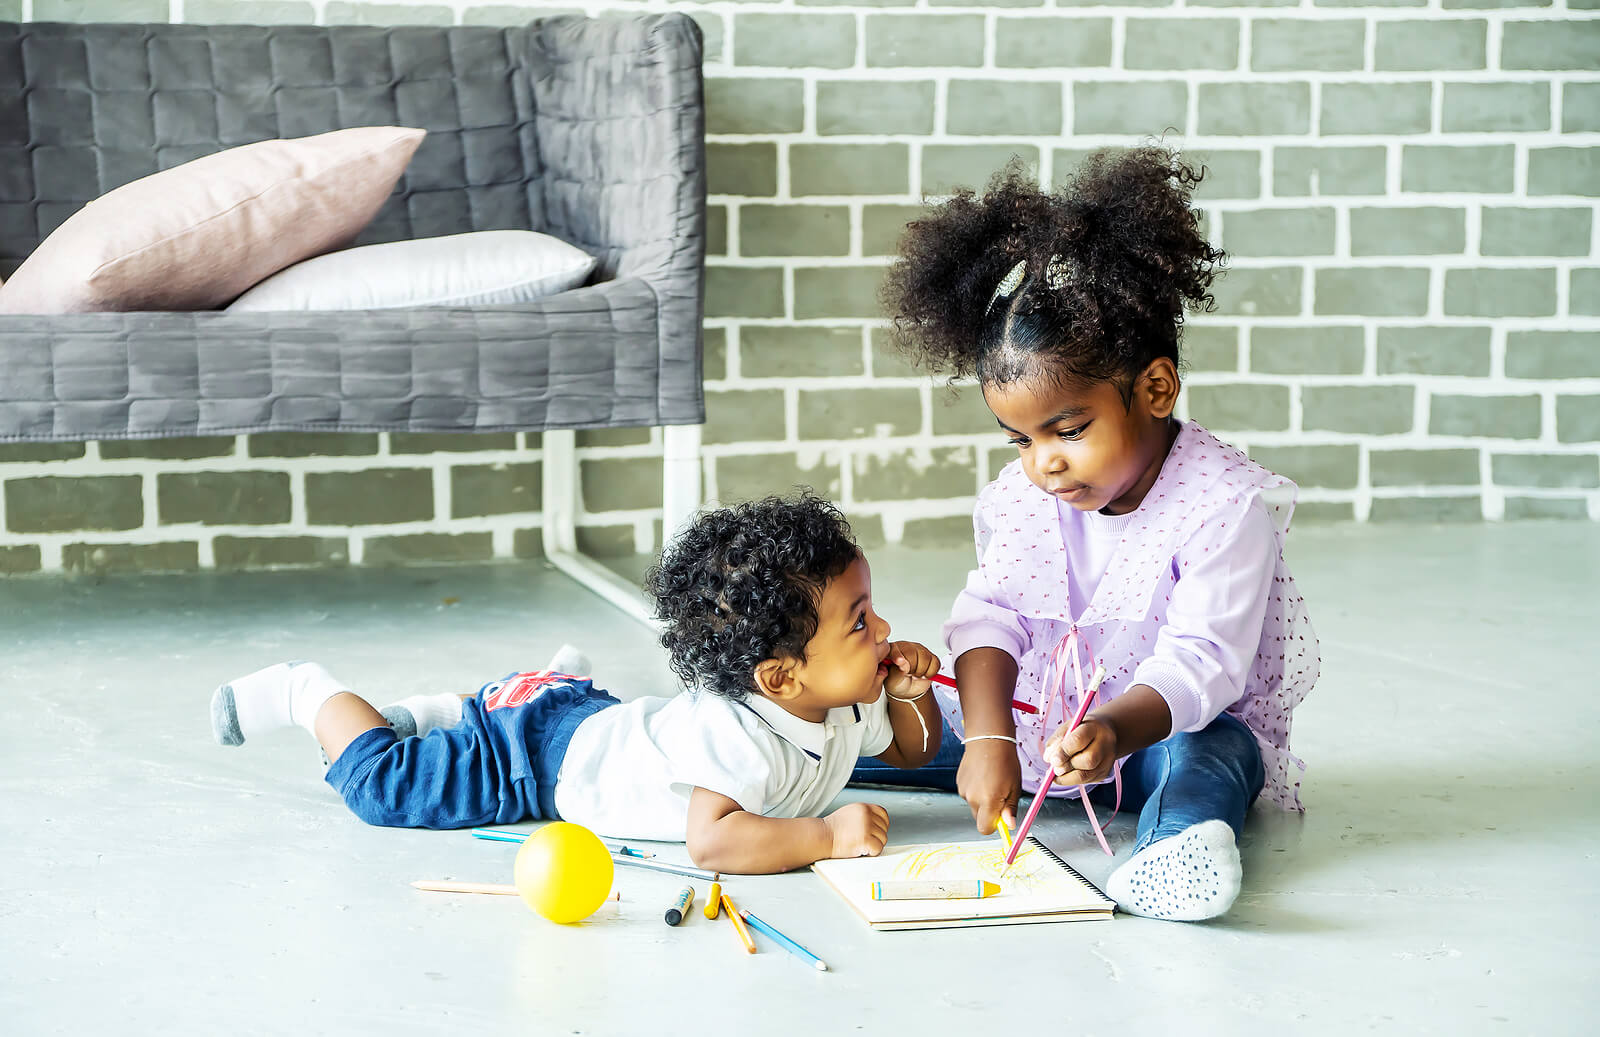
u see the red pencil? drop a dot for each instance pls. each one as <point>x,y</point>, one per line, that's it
<point>1016,704</point>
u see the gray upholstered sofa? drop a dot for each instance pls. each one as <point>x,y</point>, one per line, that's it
<point>591,130</point>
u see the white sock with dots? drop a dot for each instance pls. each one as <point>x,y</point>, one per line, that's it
<point>278,696</point>
<point>1183,878</point>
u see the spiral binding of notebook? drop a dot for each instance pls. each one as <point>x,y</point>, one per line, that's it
<point>1070,870</point>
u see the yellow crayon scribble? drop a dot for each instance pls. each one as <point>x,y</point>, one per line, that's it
<point>984,860</point>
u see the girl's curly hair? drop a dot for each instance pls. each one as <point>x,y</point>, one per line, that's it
<point>1110,261</point>
<point>743,583</point>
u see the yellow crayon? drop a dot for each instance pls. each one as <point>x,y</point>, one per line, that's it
<point>714,901</point>
<point>934,889</point>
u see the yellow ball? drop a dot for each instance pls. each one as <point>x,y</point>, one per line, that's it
<point>564,872</point>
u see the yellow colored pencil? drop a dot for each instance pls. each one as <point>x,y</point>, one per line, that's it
<point>738,924</point>
<point>1005,832</point>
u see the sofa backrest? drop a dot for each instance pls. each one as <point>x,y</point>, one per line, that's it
<point>87,108</point>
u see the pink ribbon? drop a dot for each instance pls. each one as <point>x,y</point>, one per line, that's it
<point>1067,645</point>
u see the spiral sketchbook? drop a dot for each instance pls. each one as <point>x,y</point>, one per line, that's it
<point>1038,887</point>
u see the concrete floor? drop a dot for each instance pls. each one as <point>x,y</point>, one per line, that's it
<point>1441,881</point>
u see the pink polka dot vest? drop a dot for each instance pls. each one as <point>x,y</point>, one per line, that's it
<point>1022,563</point>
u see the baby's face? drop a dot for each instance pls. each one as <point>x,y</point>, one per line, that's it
<point>844,662</point>
<point>1083,446</point>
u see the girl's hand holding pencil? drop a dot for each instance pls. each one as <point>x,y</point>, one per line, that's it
<point>990,775</point>
<point>990,780</point>
<point>1082,755</point>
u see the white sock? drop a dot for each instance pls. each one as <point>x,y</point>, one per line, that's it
<point>426,712</point>
<point>570,661</point>
<point>419,714</point>
<point>1186,877</point>
<point>279,696</point>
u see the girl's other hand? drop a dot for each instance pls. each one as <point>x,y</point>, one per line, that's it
<point>1082,756</point>
<point>990,780</point>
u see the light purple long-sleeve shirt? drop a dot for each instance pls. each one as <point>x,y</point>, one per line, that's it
<point>1188,594</point>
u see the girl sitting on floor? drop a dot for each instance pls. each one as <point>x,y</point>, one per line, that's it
<point>1119,538</point>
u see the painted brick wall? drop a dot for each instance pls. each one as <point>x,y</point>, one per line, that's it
<point>1410,327</point>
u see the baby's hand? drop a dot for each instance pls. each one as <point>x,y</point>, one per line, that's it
<point>910,666</point>
<point>1082,756</point>
<point>858,830</point>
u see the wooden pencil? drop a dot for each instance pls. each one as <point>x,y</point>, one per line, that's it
<point>447,886</point>
<point>498,889</point>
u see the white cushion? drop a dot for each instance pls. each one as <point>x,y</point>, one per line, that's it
<point>486,268</point>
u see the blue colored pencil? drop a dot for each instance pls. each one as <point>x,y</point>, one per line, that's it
<point>783,941</point>
<point>499,837</point>
<point>517,837</point>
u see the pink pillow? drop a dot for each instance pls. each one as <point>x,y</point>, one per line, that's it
<point>195,236</point>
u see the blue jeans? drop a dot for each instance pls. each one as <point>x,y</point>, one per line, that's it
<point>1191,777</point>
<point>497,766</point>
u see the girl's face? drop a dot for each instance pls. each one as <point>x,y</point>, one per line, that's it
<point>1083,445</point>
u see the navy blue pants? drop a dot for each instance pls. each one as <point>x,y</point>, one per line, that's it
<point>1215,772</point>
<point>498,766</point>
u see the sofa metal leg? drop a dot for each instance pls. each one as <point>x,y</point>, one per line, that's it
<point>681,492</point>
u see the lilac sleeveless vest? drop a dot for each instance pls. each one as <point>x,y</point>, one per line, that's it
<point>1024,562</point>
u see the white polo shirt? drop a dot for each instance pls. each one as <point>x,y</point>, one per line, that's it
<point>629,769</point>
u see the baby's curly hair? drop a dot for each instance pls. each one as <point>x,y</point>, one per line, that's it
<point>743,583</point>
<point>1110,261</point>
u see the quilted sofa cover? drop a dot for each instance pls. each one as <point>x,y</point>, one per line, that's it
<point>591,130</point>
